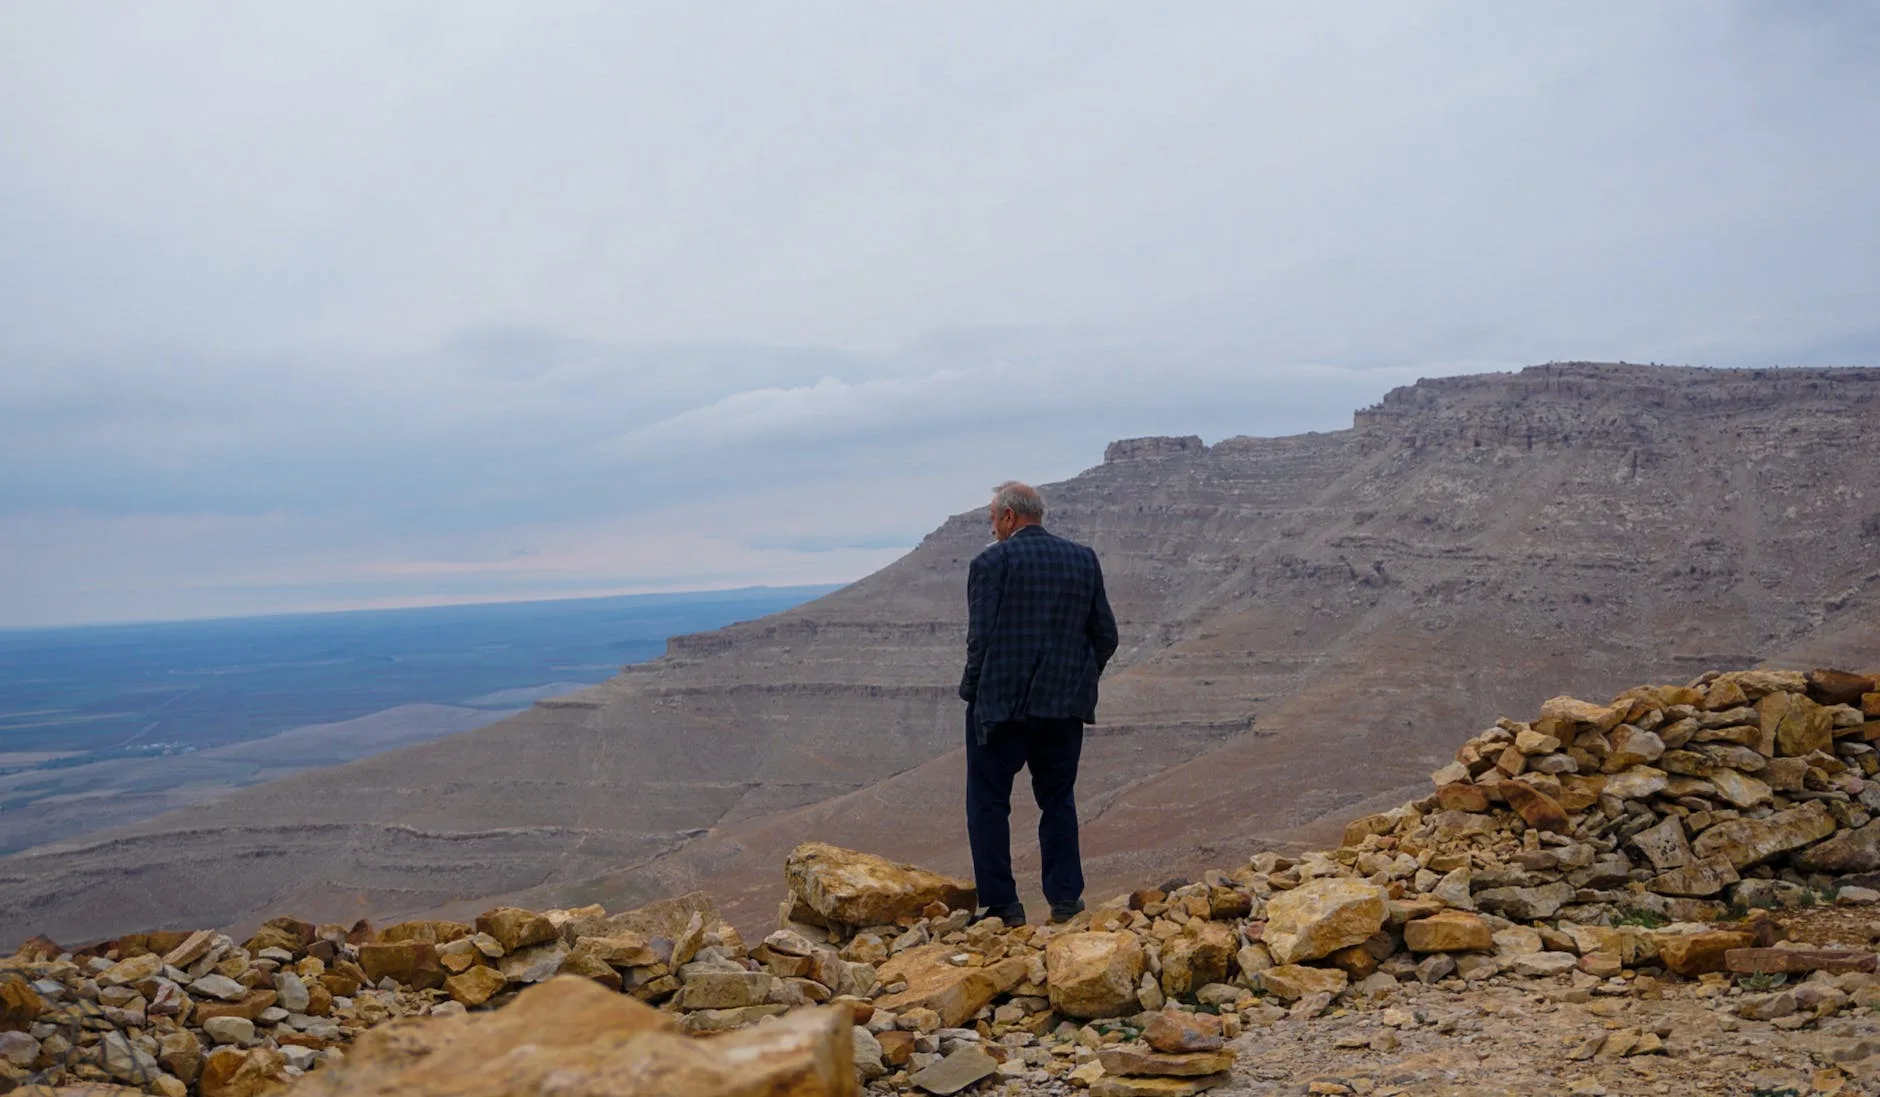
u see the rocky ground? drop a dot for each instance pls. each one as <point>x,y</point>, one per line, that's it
<point>1662,894</point>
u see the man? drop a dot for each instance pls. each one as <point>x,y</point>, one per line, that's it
<point>1039,632</point>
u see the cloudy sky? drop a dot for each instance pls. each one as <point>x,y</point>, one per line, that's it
<point>370,303</point>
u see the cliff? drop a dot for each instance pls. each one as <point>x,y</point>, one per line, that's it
<point>1467,547</point>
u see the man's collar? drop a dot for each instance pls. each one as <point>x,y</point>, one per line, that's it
<point>1022,530</point>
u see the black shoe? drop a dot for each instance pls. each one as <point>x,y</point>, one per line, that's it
<point>1064,912</point>
<point>1012,914</point>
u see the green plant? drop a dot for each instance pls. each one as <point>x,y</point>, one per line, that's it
<point>1762,981</point>
<point>1641,917</point>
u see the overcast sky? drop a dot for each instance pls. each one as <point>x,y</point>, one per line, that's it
<point>369,303</point>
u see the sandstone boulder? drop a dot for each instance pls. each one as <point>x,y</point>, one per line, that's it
<point>1792,725</point>
<point>1291,982</point>
<point>515,928</point>
<point>1450,931</point>
<point>1322,916</point>
<point>1200,955</point>
<point>1699,879</point>
<point>1537,809</point>
<point>413,963</point>
<point>232,1072</point>
<point>1693,954</point>
<point>1848,850</point>
<point>1093,974</point>
<point>955,991</point>
<point>1176,1031</point>
<point>845,888</point>
<point>1746,842</point>
<point>1138,1060</point>
<point>570,1036</point>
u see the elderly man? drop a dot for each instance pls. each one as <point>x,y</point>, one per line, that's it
<point>1039,633</point>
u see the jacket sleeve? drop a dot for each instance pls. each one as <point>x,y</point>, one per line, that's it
<point>1101,626</point>
<point>982,611</point>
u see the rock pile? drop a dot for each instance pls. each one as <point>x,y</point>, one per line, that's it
<point>1598,847</point>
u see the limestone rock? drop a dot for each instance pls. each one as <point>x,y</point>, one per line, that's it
<point>1740,789</point>
<point>1848,850</point>
<point>475,986</point>
<point>231,1072</point>
<point>413,963</point>
<point>1635,783</point>
<point>534,963</point>
<point>1093,974</point>
<point>1693,954</point>
<point>1176,1031</point>
<point>1462,796</point>
<point>1536,808</point>
<point>1794,725</point>
<point>1574,711</point>
<point>1526,904</point>
<point>964,1067</point>
<point>1291,982</point>
<point>515,928</point>
<point>1126,1060</point>
<point>847,888</point>
<point>1321,916</point>
<point>1799,961</point>
<point>570,1036</point>
<point>1630,747</point>
<point>135,970</point>
<point>1199,956</point>
<point>955,992</point>
<point>1699,879</point>
<point>1746,842</point>
<point>1156,1087</point>
<point>1450,931</point>
<point>1664,845</point>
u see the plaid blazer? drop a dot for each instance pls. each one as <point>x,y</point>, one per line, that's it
<point>1039,630</point>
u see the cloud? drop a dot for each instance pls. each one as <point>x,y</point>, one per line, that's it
<point>361,294</point>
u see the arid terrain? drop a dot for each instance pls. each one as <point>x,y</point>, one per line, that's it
<point>1469,547</point>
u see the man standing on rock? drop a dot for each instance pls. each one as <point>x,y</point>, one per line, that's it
<point>1039,632</point>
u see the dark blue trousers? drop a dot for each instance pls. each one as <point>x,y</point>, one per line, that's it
<point>1050,749</point>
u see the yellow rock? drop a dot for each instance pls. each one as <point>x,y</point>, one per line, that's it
<point>570,1036</point>
<point>517,928</point>
<point>1093,974</point>
<point>954,991</point>
<point>475,986</point>
<point>1138,1060</point>
<point>1450,931</point>
<point>1321,916</point>
<point>1156,1087</point>
<point>1291,982</point>
<point>232,1072</point>
<point>844,887</point>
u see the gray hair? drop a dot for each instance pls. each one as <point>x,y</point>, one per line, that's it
<point>1021,499</point>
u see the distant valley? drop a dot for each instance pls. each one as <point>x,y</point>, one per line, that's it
<point>105,725</point>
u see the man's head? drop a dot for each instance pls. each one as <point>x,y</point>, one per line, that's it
<point>1014,506</point>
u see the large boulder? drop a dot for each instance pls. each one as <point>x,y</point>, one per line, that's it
<point>1319,917</point>
<point>570,1036</point>
<point>1093,974</point>
<point>841,887</point>
<point>955,991</point>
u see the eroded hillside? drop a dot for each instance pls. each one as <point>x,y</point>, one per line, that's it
<point>1305,621</point>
